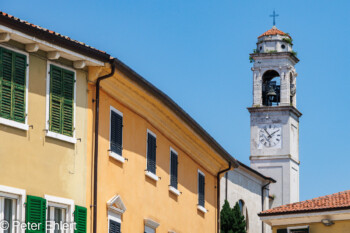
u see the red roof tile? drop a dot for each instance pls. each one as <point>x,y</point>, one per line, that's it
<point>40,32</point>
<point>335,201</point>
<point>274,31</point>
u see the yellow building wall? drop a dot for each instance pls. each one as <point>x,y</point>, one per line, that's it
<point>39,164</point>
<point>142,196</point>
<point>337,227</point>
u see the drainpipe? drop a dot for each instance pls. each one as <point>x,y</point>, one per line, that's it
<point>218,194</point>
<point>97,109</point>
<point>262,203</point>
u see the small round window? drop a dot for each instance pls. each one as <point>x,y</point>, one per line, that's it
<point>283,46</point>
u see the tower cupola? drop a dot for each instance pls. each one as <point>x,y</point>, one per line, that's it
<point>274,40</point>
<point>274,74</point>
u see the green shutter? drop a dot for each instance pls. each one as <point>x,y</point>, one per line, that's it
<point>12,85</point>
<point>19,88</point>
<point>80,219</point>
<point>61,100</point>
<point>36,213</point>
<point>68,102</point>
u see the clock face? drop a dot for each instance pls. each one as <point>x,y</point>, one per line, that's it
<point>270,136</point>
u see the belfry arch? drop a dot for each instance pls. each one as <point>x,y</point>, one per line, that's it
<point>271,88</point>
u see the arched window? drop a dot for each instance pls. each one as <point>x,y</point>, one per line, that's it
<point>271,90</point>
<point>244,212</point>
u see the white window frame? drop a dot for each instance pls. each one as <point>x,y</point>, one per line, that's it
<point>118,157</point>
<point>151,224</point>
<point>20,196</point>
<point>199,207</point>
<point>295,228</point>
<point>114,217</point>
<point>12,123</point>
<point>64,203</point>
<point>48,79</point>
<point>148,173</point>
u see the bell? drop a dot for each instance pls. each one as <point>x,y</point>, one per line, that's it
<point>271,94</point>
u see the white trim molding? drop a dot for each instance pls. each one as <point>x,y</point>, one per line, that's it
<point>297,227</point>
<point>152,175</point>
<point>118,157</point>
<point>202,209</point>
<point>116,205</point>
<point>174,191</point>
<point>20,195</point>
<point>47,125</point>
<point>151,223</point>
<point>47,46</point>
<point>63,203</point>
<point>150,132</point>
<point>12,123</point>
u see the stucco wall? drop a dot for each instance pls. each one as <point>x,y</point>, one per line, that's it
<point>143,197</point>
<point>244,186</point>
<point>39,164</point>
<point>338,227</point>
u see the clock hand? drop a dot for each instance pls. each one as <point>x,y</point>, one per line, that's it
<point>274,132</point>
<point>267,133</point>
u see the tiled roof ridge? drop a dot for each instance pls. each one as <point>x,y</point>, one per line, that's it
<point>274,31</point>
<point>333,201</point>
<point>37,27</point>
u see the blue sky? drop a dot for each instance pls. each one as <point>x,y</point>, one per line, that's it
<point>197,53</point>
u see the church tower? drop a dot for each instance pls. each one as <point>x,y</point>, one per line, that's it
<point>274,118</point>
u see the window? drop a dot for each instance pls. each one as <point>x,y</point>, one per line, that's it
<point>244,212</point>
<point>173,168</point>
<point>13,88</point>
<point>61,103</point>
<point>149,230</point>
<point>56,216</point>
<point>11,206</point>
<point>60,211</point>
<point>150,226</point>
<point>299,229</point>
<point>116,208</point>
<point>116,134</point>
<point>201,188</point>
<point>8,211</point>
<point>114,223</point>
<point>151,152</point>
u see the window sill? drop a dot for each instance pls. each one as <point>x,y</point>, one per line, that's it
<point>61,137</point>
<point>151,175</point>
<point>14,124</point>
<point>174,190</point>
<point>117,157</point>
<point>202,209</point>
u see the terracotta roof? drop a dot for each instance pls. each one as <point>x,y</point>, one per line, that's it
<point>51,36</point>
<point>331,202</point>
<point>274,31</point>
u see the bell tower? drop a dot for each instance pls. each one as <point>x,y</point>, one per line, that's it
<point>274,118</point>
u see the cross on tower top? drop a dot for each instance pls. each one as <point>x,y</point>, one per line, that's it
<point>274,15</point>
